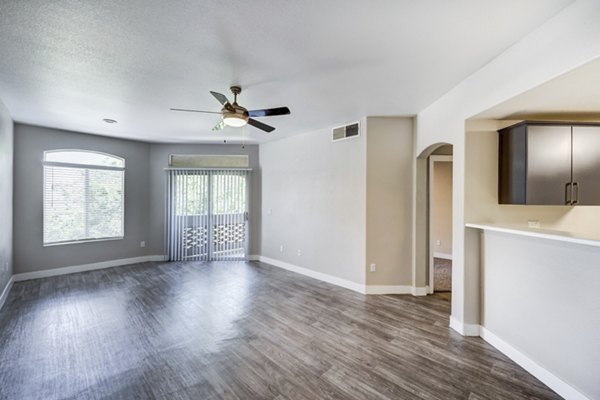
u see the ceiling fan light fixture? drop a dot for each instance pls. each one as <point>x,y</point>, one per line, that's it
<point>235,120</point>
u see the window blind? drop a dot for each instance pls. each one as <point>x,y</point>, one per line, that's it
<point>207,214</point>
<point>82,203</point>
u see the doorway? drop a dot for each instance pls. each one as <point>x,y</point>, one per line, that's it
<point>207,214</point>
<point>440,223</point>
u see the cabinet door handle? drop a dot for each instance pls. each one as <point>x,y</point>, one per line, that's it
<point>575,193</point>
<point>568,193</point>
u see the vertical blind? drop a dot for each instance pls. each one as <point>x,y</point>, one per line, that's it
<point>82,203</point>
<point>207,214</point>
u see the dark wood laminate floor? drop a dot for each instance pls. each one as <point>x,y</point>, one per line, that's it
<point>238,331</point>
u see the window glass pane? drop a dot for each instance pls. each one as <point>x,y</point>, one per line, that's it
<point>229,194</point>
<point>82,203</point>
<point>64,204</point>
<point>84,158</point>
<point>105,204</point>
<point>208,161</point>
<point>193,191</point>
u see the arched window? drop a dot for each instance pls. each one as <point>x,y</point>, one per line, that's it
<point>83,196</point>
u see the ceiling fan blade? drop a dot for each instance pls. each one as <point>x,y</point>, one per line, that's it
<point>219,127</point>
<point>196,111</point>
<point>220,97</point>
<point>223,100</point>
<point>269,112</point>
<point>260,125</point>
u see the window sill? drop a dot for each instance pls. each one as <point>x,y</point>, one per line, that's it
<point>82,241</point>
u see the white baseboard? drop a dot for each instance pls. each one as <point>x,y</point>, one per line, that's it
<point>464,329</point>
<point>388,289</point>
<point>253,257</point>
<point>548,378</point>
<point>85,267</point>
<point>357,287</point>
<point>6,290</point>
<point>420,291</point>
<point>445,256</point>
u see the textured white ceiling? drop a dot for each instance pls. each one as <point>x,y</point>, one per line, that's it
<point>69,64</point>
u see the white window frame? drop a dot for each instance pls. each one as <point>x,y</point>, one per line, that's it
<point>87,167</point>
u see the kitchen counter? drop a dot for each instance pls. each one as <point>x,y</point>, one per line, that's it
<point>539,233</point>
<point>539,301</point>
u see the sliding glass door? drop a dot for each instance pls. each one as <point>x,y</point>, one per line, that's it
<point>207,214</point>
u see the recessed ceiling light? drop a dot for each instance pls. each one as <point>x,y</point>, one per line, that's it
<point>109,121</point>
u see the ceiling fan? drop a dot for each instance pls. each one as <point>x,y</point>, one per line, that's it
<point>237,116</point>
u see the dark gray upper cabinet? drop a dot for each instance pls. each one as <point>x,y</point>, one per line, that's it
<point>549,164</point>
<point>586,165</point>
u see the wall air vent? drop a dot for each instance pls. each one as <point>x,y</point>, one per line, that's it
<point>345,132</point>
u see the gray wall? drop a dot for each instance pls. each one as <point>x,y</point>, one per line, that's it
<point>159,159</point>
<point>314,196</point>
<point>441,207</point>
<point>29,253</point>
<point>389,200</point>
<point>6,195</point>
<point>144,197</point>
<point>542,298</point>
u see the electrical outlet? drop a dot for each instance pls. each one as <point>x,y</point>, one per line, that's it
<point>373,268</point>
<point>281,248</point>
<point>269,211</point>
<point>299,252</point>
<point>533,224</point>
<point>438,242</point>
<point>142,244</point>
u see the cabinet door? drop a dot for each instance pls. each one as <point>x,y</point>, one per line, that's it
<point>548,164</point>
<point>586,165</point>
<point>512,170</point>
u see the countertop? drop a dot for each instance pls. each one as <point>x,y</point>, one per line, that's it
<point>562,236</point>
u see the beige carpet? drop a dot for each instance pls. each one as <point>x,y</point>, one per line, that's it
<point>442,275</point>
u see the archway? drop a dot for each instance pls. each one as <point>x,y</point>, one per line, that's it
<point>424,240</point>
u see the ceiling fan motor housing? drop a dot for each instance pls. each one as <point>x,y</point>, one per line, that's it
<point>235,115</point>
